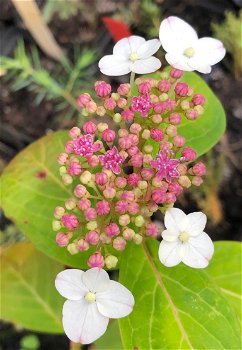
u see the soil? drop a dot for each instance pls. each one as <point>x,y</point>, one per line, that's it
<point>23,122</point>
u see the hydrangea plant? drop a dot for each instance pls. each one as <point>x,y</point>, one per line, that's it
<point>113,177</point>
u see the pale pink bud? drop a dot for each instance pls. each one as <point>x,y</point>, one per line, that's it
<point>67,179</point>
<point>191,114</point>
<point>100,111</point>
<point>74,168</point>
<point>82,245</point>
<point>122,102</point>
<point>84,204</point>
<point>144,88</point>
<point>171,130</point>
<point>127,115</point>
<point>133,150</point>
<point>123,89</point>
<point>181,89</point>
<point>137,160</point>
<point>80,191</point>
<point>91,107</point>
<point>89,127</point>
<point>112,230</point>
<point>120,182</point>
<point>170,197</point>
<point>62,158</point>
<point>134,139</point>
<point>158,196</point>
<point>152,230</point>
<point>182,169</point>
<point>101,178</point>
<point>157,118</point>
<point>109,193</point>
<point>175,188</point>
<point>104,238</point>
<point>70,203</point>
<point>133,179</point>
<point>153,207</point>
<point>108,135</point>
<point>157,134</point>
<point>197,180</point>
<point>175,118</point>
<point>70,221</point>
<point>119,243</point>
<point>109,104</point>
<point>133,208</point>
<point>83,99</point>
<point>69,147</point>
<point>147,173</point>
<point>128,196</point>
<point>199,169</point>
<point>124,142</point>
<point>59,212</point>
<point>75,132</point>
<point>103,89</point>
<point>121,207</point>
<point>124,220</point>
<point>128,234</point>
<point>90,214</point>
<point>176,73</point>
<point>92,237</point>
<point>188,154</point>
<point>184,181</point>
<point>179,141</point>
<point>135,128</point>
<point>198,99</point>
<point>164,85</point>
<point>102,207</point>
<point>93,161</point>
<point>62,239</point>
<point>96,260</point>
<point>154,98</point>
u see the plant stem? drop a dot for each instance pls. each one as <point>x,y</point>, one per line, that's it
<point>75,346</point>
<point>132,76</point>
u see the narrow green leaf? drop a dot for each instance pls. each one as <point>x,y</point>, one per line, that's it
<point>175,308</point>
<point>28,295</point>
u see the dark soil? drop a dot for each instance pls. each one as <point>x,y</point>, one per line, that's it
<point>23,122</point>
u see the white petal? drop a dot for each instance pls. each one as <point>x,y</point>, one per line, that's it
<point>209,51</point>
<point>96,279</point>
<point>196,223</point>
<point>145,66</point>
<point>198,251</point>
<point>122,48</point>
<point>135,42</point>
<point>169,253</point>
<point>175,220</point>
<point>117,301</point>
<point>114,65</point>
<point>148,48</point>
<point>69,284</point>
<point>176,34</point>
<point>170,235</point>
<point>179,61</point>
<point>82,321</point>
<point>197,64</point>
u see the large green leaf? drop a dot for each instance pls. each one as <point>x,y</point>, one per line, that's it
<point>175,308</point>
<point>31,189</point>
<point>28,295</point>
<point>111,339</point>
<point>225,270</point>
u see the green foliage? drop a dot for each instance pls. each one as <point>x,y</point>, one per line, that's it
<point>61,86</point>
<point>63,8</point>
<point>111,339</point>
<point>150,17</point>
<point>28,295</point>
<point>176,308</point>
<point>30,342</point>
<point>229,32</point>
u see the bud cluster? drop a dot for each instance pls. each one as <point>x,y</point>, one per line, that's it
<point>121,178</point>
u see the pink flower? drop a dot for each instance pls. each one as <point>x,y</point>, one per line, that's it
<point>176,73</point>
<point>127,115</point>
<point>164,85</point>
<point>84,146</point>
<point>144,88</point>
<point>133,179</point>
<point>152,229</point>
<point>89,127</point>
<point>103,207</point>
<point>62,239</point>
<point>166,167</point>
<point>112,160</point>
<point>112,230</point>
<point>181,89</point>
<point>84,204</point>
<point>101,178</point>
<point>199,169</point>
<point>70,221</point>
<point>108,135</point>
<point>121,207</point>
<point>103,89</point>
<point>158,196</point>
<point>188,154</point>
<point>92,237</point>
<point>74,168</point>
<point>96,260</point>
<point>90,214</point>
<point>198,99</point>
<point>142,104</point>
<point>157,134</point>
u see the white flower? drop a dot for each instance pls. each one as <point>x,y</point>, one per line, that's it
<point>92,299</point>
<point>185,51</point>
<point>184,240</point>
<point>133,54</point>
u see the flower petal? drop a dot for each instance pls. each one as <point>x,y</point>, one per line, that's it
<point>115,302</point>
<point>96,279</point>
<point>198,251</point>
<point>69,284</point>
<point>145,66</point>
<point>122,48</point>
<point>148,48</point>
<point>169,253</point>
<point>196,223</point>
<point>135,42</point>
<point>170,235</point>
<point>82,321</point>
<point>179,61</point>
<point>209,51</point>
<point>176,34</point>
<point>114,65</point>
<point>175,220</point>
<point>199,66</point>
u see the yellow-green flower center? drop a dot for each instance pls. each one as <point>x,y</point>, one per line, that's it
<point>90,297</point>
<point>189,52</point>
<point>184,237</point>
<point>133,56</point>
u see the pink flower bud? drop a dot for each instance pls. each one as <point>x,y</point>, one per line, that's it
<point>171,130</point>
<point>133,208</point>
<point>70,203</point>
<point>127,115</point>
<point>75,132</point>
<point>152,230</point>
<point>164,85</point>
<point>136,160</point>
<point>59,212</point>
<point>191,114</point>
<point>82,245</point>
<point>175,188</point>
<point>90,214</point>
<point>62,239</point>
<point>128,196</point>
<point>128,234</point>
<point>112,230</point>
<point>182,169</point>
<point>197,181</point>
<point>181,89</point>
<point>170,197</point>
<point>188,154</point>
<point>157,134</point>
<point>175,118</point>
<point>101,178</point>
<point>109,193</point>
<point>122,102</point>
<point>135,128</point>
<point>92,237</point>
<point>134,139</point>
<point>144,88</point>
<point>124,220</point>
<point>158,196</point>
<point>109,104</point>
<point>120,182</point>
<point>93,161</point>
<point>147,173</point>
<point>80,191</point>
<point>96,260</point>
<point>103,89</point>
<point>119,243</point>
<point>91,107</point>
<point>179,141</point>
<point>74,168</point>
<point>121,207</point>
<point>70,221</point>
<point>123,89</point>
<point>83,99</point>
<point>108,135</point>
<point>133,179</point>
<point>176,73</point>
<point>89,127</point>
<point>102,207</point>
<point>84,204</point>
<point>100,111</point>
<point>69,147</point>
<point>133,150</point>
<point>199,169</point>
<point>62,158</point>
<point>198,99</point>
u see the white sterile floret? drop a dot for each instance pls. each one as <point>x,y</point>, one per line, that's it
<point>184,240</point>
<point>92,299</point>
<point>185,51</point>
<point>133,54</point>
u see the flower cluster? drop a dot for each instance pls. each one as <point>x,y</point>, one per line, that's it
<point>121,177</point>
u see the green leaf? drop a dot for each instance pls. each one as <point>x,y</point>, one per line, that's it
<point>225,270</point>
<point>28,295</point>
<point>111,339</point>
<point>175,308</point>
<point>31,189</point>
